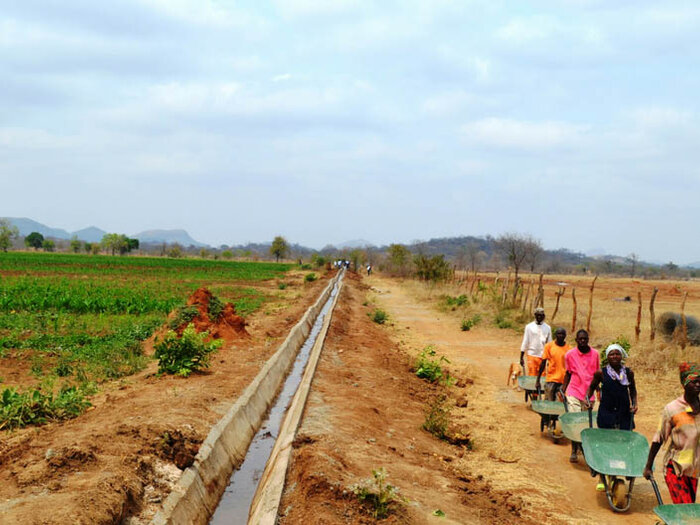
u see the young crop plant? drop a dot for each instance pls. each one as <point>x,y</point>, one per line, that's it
<point>378,494</point>
<point>310,277</point>
<point>36,407</point>
<point>186,354</point>
<point>429,367</point>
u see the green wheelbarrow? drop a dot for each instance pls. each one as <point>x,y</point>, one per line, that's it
<point>678,514</point>
<point>549,412</point>
<point>527,383</point>
<point>572,423</point>
<point>616,456</point>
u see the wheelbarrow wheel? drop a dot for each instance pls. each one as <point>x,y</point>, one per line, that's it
<point>619,495</point>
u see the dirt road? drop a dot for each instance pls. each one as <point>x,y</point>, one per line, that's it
<point>508,448</point>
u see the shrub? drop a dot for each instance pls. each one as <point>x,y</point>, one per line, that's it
<point>502,321</point>
<point>282,286</point>
<point>186,354</point>
<point>183,315</point>
<point>430,368</point>
<point>455,302</point>
<point>468,324</point>
<point>310,277</point>
<point>379,494</point>
<point>379,316</point>
<point>437,417</point>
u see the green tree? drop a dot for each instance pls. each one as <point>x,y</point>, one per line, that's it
<point>8,231</point>
<point>398,259</point>
<point>279,247</point>
<point>75,244</point>
<point>34,240</point>
<point>48,245</point>
<point>132,244</point>
<point>227,254</point>
<point>115,243</point>
<point>357,257</point>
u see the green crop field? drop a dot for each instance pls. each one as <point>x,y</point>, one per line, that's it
<point>79,319</point>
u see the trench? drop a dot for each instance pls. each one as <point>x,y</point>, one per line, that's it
<point>234,506</point>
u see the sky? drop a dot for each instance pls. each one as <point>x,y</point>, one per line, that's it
<point>574,121</point>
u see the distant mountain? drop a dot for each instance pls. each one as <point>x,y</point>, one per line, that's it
<point>90,234</point>
<point>357,243</point>
<point>27,226</point>
<point>94,234</point>
<point>695,265</point>
<point>169,236</point>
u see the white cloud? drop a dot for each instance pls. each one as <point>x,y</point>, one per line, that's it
<point>281,78</point>
<point>508,133</point>
<point>520,30</point>
<point>660,117</point>
<point>316,7</point>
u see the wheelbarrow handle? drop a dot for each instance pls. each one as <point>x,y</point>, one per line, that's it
<point>656,490</point>
<point>590,417</point>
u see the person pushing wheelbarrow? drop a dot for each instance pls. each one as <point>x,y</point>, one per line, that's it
<point>680,421</point>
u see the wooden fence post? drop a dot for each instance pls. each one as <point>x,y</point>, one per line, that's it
<point>539,301</point>
<point>527,295</point>
<point>573,320</point>
<point>590,306</point>
<point>651,311</point>
<point>637,329</point>
<point>559,293</point>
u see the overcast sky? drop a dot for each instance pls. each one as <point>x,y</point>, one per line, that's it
<point>576,121</point>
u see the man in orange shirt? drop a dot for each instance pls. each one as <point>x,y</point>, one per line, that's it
<point>553,355</point>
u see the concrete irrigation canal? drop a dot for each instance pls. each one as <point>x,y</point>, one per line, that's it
<point>256,433</point>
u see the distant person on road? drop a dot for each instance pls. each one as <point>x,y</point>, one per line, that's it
<point>679,425</point>
<point>582,362</point>
<point>537,334</point>
<point>618,391</point>
<point>553,359</point>
<point>369,270</point>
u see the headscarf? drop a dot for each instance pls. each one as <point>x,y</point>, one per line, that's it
<point>617,347</point>
<point>617,376</point>
<point>689,372</point>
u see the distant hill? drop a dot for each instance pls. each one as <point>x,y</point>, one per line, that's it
<point>357,243</point>
<point>27,226</point>
<point>168,236</point>
<point>94,234</point>
<point>90,234</point>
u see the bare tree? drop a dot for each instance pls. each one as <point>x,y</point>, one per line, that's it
<point>516,249</point>
<point>534,253</point>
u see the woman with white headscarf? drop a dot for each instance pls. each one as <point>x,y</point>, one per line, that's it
<point>618,391</point>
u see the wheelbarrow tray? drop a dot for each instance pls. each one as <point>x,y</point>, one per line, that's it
<point>549,408</point>
<point>572,423</point>
<point>615,452</point>
<point>679,514</point>
<point>527,382</point>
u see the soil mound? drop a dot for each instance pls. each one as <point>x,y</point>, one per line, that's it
<point>213,316</point>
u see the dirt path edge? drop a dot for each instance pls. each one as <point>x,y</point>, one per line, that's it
<point>197,493</point>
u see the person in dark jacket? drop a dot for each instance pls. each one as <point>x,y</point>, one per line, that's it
<point>618,391</point>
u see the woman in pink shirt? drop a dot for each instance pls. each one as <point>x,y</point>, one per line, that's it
<point>581,363</point>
